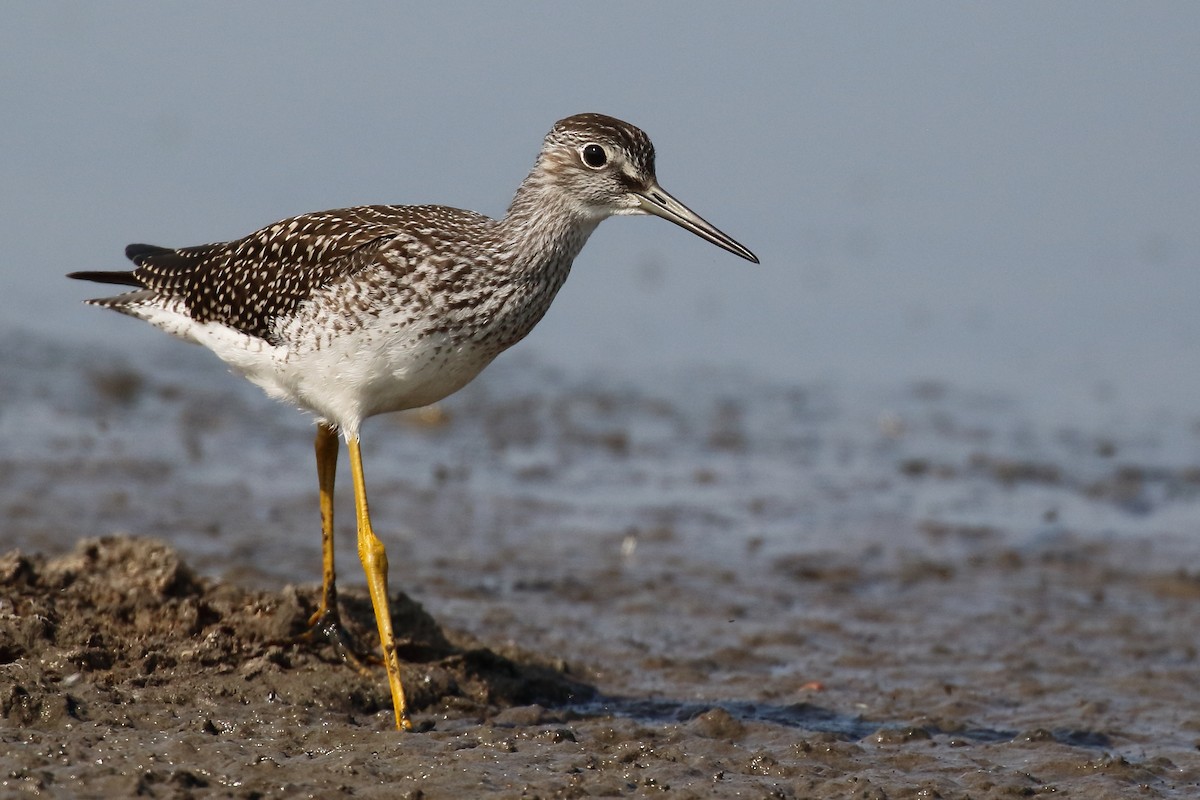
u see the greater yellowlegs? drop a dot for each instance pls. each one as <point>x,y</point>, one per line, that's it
<point>360,311</point>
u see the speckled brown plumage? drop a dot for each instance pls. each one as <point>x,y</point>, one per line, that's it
<point>420,291</point>
<point>254,282</point>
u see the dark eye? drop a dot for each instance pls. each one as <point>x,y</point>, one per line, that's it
<point>594,156</point>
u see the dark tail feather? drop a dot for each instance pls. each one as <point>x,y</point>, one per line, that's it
<point>123,278</point>
<point>138,253</point>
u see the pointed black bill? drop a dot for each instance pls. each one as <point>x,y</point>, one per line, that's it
<point>655,200</point>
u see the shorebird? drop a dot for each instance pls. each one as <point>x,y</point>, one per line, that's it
<point>362,311</point>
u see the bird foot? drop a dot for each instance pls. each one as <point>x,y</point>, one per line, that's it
<point>327,624</point>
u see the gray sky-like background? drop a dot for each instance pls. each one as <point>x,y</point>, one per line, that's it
<point>1003,196</point>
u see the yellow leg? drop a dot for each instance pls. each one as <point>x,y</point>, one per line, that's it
<point>327,620</point>
<point>327,452</point>
<point>374,561</point>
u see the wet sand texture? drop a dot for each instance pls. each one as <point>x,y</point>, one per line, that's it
<point>692,587</point>
<point>125,674</point>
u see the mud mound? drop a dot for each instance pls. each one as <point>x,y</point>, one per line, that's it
<point>120,630</point>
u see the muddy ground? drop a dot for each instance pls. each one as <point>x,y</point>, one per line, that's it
<point>735,591</point>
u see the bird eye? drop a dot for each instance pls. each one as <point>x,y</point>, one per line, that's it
<point>594,156</point>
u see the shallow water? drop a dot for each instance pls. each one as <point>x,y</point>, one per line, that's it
<point>809,590</point>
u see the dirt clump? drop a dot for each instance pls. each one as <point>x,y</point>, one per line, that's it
<point>121,629</point>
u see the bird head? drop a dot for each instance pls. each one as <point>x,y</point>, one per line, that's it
<point>604,167</point>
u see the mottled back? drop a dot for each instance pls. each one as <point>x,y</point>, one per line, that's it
<point>251,283</point>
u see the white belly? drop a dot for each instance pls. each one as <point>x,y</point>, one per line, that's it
<point>391,365</point>
<point>353,378</point>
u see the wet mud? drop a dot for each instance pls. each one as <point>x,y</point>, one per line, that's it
<point>1007,676</point>
<point>738,591</point>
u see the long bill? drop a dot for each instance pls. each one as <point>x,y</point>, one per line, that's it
<point>655,200</point>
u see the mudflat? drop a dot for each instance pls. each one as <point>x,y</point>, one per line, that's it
<point>737,590</point>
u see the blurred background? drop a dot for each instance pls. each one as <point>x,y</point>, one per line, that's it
<point>973,328</point>
<point>1002,196</point>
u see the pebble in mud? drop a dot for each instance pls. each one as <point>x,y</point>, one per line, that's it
<point>717,723</point>
<point>901,735</point>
